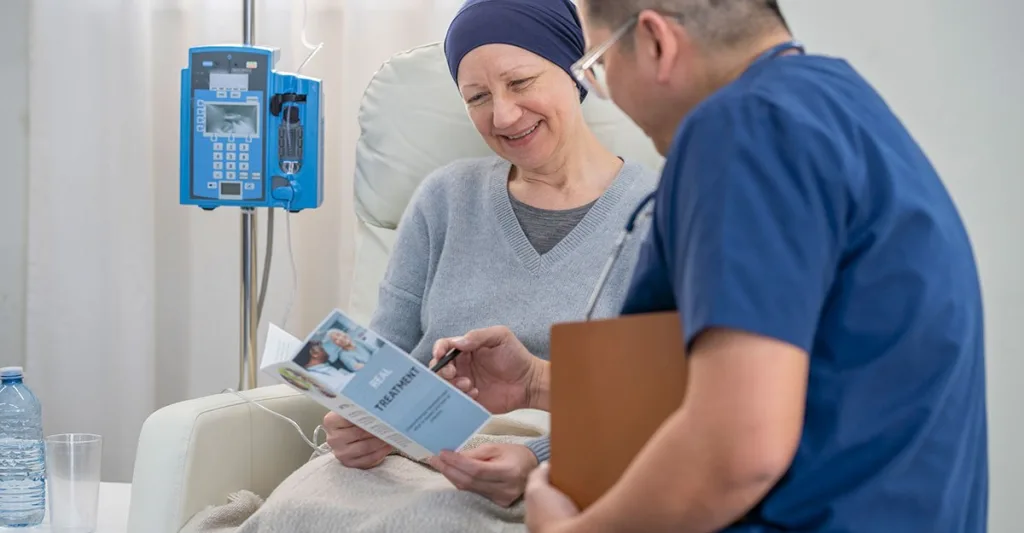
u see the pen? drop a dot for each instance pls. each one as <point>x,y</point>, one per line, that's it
<point>448,358</point>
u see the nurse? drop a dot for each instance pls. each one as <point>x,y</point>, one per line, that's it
<point>829,294</point>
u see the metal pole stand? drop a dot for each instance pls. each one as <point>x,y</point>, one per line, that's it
<point>250,322</point>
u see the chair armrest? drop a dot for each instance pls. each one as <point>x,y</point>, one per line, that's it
<point>194,453</point>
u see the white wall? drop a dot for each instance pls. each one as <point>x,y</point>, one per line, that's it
<point>13,177</point>
<point>953,71</point>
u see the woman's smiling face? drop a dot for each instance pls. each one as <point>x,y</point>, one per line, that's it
<point>523,105</point>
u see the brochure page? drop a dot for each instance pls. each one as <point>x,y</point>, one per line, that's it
<point>374,384</point>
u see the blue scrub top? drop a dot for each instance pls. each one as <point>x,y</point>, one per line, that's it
<point>795,205</point>
<point>329,376</point>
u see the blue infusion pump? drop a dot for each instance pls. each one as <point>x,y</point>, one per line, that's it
<point>250,136</point>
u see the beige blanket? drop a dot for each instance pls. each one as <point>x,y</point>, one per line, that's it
<point>398,496</point>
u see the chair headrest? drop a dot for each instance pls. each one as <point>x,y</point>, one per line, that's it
<point>413,121</point>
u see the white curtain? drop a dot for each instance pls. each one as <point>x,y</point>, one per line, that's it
<point>132,299</point>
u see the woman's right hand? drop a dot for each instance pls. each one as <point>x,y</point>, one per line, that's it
<point>353,446</point>
<point>495,369</point>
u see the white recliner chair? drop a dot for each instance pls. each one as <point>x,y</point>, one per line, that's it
<point>194,453</point>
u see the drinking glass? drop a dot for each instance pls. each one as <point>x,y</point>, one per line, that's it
<point>73,481</point>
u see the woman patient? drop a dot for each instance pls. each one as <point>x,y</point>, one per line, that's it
<point>519,238</point>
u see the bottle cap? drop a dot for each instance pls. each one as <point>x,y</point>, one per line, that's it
<point>11,372</point>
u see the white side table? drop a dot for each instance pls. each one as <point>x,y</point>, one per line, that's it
<point>113,512</point>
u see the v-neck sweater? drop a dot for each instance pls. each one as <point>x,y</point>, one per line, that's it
<point>462,261</point>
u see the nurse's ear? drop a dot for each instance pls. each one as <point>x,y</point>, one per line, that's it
<point>660,38</point>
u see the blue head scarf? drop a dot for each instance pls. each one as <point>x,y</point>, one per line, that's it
<point>548,28</point>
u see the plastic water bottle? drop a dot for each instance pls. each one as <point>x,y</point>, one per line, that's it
<point>22,457</point>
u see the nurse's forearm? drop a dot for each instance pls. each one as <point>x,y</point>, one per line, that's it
<point>679,484</point>
<point>720,453</point>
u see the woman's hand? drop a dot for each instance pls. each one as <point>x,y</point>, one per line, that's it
<point>497,472</point>
<point>495,369</point>
<point>353,446</point>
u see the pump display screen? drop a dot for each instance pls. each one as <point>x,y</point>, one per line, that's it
<point>233,119</point>
<point>227,81</point>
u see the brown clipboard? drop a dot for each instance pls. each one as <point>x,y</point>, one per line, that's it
<point>613,383</point>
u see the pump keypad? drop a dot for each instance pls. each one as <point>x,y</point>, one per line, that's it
<point>231,157</point>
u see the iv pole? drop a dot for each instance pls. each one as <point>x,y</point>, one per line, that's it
<point>247,363</point>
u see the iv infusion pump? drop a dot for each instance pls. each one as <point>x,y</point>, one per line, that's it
<point>250,136</point>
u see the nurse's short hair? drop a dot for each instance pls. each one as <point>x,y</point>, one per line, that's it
<point>716,22</point>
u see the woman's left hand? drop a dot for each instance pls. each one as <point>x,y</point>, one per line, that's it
<point>495,471</point>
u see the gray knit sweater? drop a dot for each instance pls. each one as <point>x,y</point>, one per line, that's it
<point>461,261</point>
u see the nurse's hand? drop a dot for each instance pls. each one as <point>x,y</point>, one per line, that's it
<point>497,472</point>
<point>495,369</point>
<point>547,508</point>
<point>353,446</point>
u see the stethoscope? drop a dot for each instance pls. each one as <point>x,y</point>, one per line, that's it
<point>646,207</point>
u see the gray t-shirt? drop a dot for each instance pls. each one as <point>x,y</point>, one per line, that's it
<point>545,228</point>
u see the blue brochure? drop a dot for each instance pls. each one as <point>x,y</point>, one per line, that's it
<point>376,385</point>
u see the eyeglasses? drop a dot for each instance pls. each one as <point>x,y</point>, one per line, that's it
<point>589,71</point>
